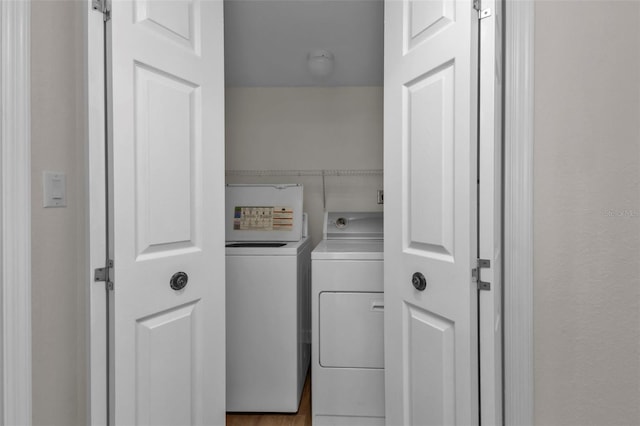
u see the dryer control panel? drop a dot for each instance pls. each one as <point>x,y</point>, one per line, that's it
<point>353,226</point>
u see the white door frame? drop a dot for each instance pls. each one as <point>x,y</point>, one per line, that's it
<point>96,208</point>
<point>517,246</point>
<point>15,212</point>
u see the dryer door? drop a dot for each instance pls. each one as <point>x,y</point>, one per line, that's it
<point>351,330</point>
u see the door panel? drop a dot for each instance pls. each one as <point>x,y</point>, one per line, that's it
<point>178,20</point>
<point>159,369</point>
<point>431,339</point>
<point>167,142</point>
<point>426,18</point>
<point>431,384</point>
<point>165,187</point>
<point>430,152</point>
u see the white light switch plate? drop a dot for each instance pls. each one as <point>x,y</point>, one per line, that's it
<point>55,189</point>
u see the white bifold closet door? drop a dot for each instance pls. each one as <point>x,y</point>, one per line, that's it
<point>443,135</point>
<point>166,164</point>
<point>431,240</point>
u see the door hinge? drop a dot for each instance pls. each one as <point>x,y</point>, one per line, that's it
<point>475,273</point>
<point>482,13</point>
<point>104,275</point>
<point>102,6</point>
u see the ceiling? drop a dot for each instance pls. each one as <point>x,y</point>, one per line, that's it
<point>267,42</point>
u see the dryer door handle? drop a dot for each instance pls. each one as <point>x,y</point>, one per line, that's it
<point>377,305</point>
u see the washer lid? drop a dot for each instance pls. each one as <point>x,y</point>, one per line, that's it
<point>291,248</point>
<point>349,250</point>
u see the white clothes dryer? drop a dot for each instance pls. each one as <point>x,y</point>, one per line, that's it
<point>347,306</point>
<point>267,298</point>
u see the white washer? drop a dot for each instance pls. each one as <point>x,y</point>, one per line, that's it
<point>347,322</point>
<point>267,298</point>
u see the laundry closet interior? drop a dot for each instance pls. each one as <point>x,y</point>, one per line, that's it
<point>278,117</point>
<point>303,105</point>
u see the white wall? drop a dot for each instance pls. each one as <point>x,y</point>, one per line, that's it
<point>58,310</point>
<point>587,213</point>
<point>309,128</point>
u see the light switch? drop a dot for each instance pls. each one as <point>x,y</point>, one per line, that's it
<point>55,189</point>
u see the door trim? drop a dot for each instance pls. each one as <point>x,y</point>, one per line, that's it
<point>96,219</point>
<point>518,213</point>
<point>15,212</point>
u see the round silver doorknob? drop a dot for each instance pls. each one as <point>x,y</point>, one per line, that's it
<point>419,281</point>
<point>179,281</point>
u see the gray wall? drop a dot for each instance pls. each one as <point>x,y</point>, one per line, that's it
<point>587,213</point>
<point>58,310</point>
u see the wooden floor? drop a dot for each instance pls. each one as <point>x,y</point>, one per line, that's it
<point>301,418</point>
